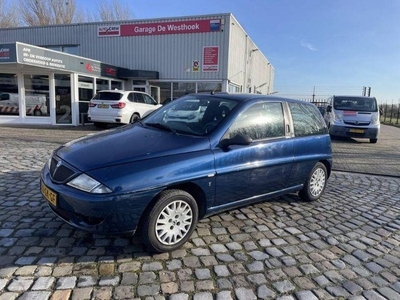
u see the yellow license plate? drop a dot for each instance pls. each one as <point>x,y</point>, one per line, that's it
<point>48,194</point>
<point>357,130</point>
<point>102,105</point>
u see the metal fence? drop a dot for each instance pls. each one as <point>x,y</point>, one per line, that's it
<point>390,113</point>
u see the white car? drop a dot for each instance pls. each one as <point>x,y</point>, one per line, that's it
<point>189,111</point>
<point>120,107</point>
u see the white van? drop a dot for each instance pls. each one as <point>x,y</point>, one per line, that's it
<point>35,104</point>
<point>353,116</point>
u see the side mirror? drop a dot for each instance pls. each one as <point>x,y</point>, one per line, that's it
<point>239,139</point>
<point>329,108</point>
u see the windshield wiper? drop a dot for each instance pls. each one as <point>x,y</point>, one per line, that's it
<point>161,126</point>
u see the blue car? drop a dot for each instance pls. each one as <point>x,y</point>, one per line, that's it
<point>159,176</point>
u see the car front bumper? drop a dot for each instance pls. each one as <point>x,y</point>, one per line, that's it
<point>97,213</point>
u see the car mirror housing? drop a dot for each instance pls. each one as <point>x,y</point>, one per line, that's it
<point>328,108</point>
<point>239,139</point>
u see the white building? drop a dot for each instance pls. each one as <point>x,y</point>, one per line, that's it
<point>165,57</point>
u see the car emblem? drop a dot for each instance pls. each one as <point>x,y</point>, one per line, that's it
<point>356,122</point>
<point>57,166</point>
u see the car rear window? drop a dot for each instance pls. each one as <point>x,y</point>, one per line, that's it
<point>111,96</point>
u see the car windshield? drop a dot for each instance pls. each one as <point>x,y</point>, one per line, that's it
<point>192,114</point>
<point>111,96</point>
<point>355,103</point>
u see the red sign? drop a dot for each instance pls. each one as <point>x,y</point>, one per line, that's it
<point>349,113</point>
<point>210,58</point>
<point>103,31</point>
<point>177,27</point>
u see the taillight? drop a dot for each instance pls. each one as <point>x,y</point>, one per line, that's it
<point>91,104</point>
<point>119,105</point>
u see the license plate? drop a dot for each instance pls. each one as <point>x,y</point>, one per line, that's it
<point>357,130</point>
<point>102,105</point>
<point>48,194</point>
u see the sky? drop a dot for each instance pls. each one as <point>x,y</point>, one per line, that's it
<point>330,47</point>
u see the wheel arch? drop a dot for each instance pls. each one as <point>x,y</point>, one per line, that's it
<point>193,189</point>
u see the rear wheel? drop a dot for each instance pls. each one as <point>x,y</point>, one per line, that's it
<point>100,125</point>
<point>315,184</point>
<point>373,141</point>
<point>170,222</point>
<point>135,117</point>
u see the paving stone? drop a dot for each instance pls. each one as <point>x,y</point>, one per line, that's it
<point>43,283</point>
<point>284,286</point>
<point>245,294</point>
<point>20,284</point>
<point>306,295</point>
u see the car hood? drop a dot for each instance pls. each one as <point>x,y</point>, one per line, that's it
<point>127,144</point>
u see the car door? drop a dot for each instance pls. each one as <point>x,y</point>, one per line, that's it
<point>261,168</point>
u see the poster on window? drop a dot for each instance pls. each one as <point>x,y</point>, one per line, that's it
<point>210,58</point>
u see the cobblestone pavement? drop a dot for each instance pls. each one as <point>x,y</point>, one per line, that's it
<point>345,246</point>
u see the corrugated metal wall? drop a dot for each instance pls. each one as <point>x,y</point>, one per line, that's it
<point>171,54</point>
<point>247,65</point>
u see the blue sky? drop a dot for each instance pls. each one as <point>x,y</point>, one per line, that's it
<point>335,46</point>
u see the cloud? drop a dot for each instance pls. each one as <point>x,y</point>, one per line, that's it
<point>308,46</point>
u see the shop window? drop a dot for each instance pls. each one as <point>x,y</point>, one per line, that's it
<point>37,95</point>
<point>183,88</point>
<point>117,85</point>
<point>8,94</point>
<point>234,88</point>
<point>101,84</point>
<point>205,87</point>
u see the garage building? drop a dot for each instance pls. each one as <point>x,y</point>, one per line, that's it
<point>48,74</point>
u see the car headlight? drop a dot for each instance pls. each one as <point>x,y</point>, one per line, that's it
<point>88,184</point>
<point>339,117</point>
<point>375,120</point>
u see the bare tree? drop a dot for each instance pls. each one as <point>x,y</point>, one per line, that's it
<point>113,10</point>
<point>47,12</point>
<point>8,15</point>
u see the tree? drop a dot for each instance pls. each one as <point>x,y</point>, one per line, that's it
<point>8,15</point>
<point>113,11</point>
<point>48,12</point>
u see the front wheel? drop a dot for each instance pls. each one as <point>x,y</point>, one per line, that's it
<point>170,222</point>
<point>316,182</point>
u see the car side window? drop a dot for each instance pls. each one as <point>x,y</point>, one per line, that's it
<point>260,121</point>
<point>307,120</point>
<point>131,97</point>
<point>149,100</point>
<point>138,98</point>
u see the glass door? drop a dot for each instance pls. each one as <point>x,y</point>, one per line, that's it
<point>63,98</point>
<point>155,93</point>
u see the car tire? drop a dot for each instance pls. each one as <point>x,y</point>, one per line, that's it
<point>100,125</point>
<point>373,141</point>
<point>170,222</point>
<point>135,117</point>
<point>316,182</point>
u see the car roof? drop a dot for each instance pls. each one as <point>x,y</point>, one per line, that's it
<point>120,91</point>
<point>244,97</point>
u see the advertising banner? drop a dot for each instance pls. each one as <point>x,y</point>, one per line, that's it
<point>210,58</point>
<point>174,27</point>
<point>41,57</point>
<point>7,53</point>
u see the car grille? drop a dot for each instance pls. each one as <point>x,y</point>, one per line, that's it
<point>58,171</point>
<point>357,123</point>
